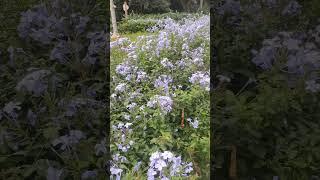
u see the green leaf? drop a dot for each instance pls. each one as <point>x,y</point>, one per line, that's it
<point>51,132</point>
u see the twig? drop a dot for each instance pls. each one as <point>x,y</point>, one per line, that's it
<point>233,163</point>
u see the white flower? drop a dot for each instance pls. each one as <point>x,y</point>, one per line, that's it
<point>151,172</point>
<point>121,87</point>
<point>113,95</point>
<point>142,107</point>
<point>155,156</point>
<point>128,77</point>
<point>131,106</point>
<point>167,155</point>
<point>127,125</point>
<point>202,79</point>
<point>127,117</point>
<point>120,125</point>
<point>151,103</point>
<point>194,123</point>
<point>123,137</point>
<point>131,142</point>
<point>160,164</point>
<point>115,171</point>
<point>141,76</point>
<point>164,178</point>
<point>123,148</point>
<point>166,63</point>
<point>188,168</point>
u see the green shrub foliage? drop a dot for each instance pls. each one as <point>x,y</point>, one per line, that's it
<point>54,91</point>
<point>159,102</point>
<point>266,91</point>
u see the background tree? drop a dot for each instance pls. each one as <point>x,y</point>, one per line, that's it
<point>160,6</point>
<point>113,19</point>
<point>201,4</point>
<point>147,6</point>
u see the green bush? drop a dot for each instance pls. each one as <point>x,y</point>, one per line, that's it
<point>133,26</point>
<point>155,88</point>
<point>141,23</point>
<point>142,7</point>
<point>177,16</point>
<point>147,6</point>
<point>266,111</point>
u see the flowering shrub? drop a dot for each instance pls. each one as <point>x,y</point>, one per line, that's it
<point>266,89</point>
<point>52,109</point>
<point>158,81</point>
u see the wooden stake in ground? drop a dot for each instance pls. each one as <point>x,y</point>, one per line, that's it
<point>115,34</point>
<point>233,163</point>
<point>182,118</point>
<point>125,9</point>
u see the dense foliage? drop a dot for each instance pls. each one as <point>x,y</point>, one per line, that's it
<point>9,18</point>
<point>266,90</point>
<point>147,6</point>
<point>53,95</point>
<point>142,23</point>
<point>160,6</point>
<point>160,102</point>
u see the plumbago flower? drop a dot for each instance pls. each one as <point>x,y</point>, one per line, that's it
<point>303,56</point>
<point>166,164</point>
<point>164,102</point>
<point>155,77</point>
<point>115,170</point>
<point>121,135</point>
<point>121,131</point>
<point>194,123</point>
<point>163,82</point>
<point>202,79</point>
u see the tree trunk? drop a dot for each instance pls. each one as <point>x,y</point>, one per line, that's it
<point>113,19</point>
<point>125,9</point>
<point>201,5</point>
<point>184,4</point>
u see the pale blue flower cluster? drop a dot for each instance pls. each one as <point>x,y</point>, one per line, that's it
<point>193,122</point>
<point>166,164</point>
<point>121,87</point>
<point>303,56</point>
<point>164,102</point>
<point>163,82</point>
<point>115,171</point>
<point>201,78</point>
<point>167,64</point>
<point>119,42</point>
